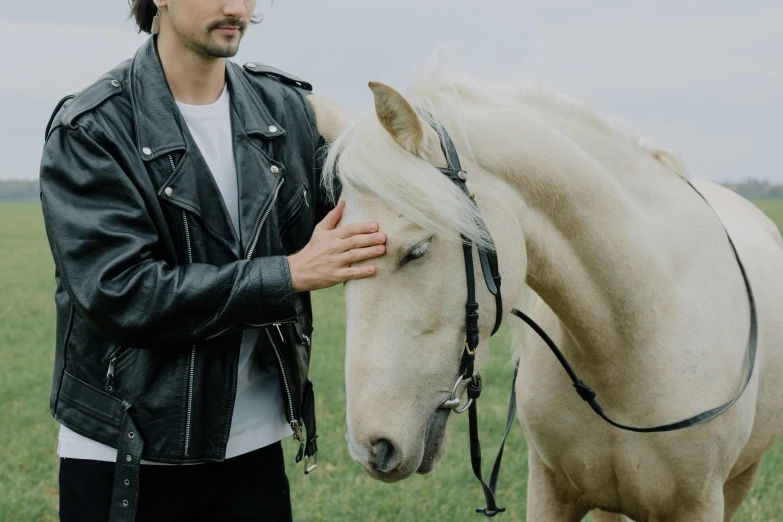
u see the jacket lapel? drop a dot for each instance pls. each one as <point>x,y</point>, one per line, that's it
<point>259,174</point>
<point>191,186</point>
<point>176,165</point>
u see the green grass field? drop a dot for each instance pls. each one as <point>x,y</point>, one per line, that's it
<point>338,490</point>
<point>773,208</point>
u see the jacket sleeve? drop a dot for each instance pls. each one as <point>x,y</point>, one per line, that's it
<point>106,252</point>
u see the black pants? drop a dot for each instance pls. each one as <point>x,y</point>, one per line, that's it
<point>250,487</point>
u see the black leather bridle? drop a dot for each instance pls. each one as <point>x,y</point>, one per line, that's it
<point>490,269</point>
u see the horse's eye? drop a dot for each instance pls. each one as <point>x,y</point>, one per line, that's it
<point>417,252</point>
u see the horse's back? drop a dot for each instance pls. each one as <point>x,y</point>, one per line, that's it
<point>760,247</point>
<point>736,212</point>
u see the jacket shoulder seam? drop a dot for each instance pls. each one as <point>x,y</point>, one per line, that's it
<point>258,68</point>
<point>81,126</point>
<point>54,121</point>
<point>90,98</point>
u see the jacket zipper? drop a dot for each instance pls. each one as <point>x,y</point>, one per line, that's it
<point>292,419</point>
<point>119,353</point>
<point>257,235</point>
<point>192,369</point>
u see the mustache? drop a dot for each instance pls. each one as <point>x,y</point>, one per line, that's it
<point>228,22</point>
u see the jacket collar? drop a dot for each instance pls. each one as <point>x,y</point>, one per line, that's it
<point>161,130</point>
<point>157,119</point>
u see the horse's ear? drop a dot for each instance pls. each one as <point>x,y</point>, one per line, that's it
<point>398,118</point>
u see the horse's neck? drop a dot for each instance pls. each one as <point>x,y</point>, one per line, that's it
<point>596,214</point>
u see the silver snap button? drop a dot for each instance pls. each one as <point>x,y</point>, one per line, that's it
<point>131,434</point>
<point>169,191</point>
<point>251,65</point>
<point>462,175</point>
<point>128,458</point>
<point>126,482</point>
<point>110,388</point>
<point>115,83</point>
<point>124,503</point>
<point>272,128</point>
<point>147,151</point>
<point>275,169</point>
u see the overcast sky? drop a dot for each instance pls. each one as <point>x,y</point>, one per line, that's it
<point>704,78</point>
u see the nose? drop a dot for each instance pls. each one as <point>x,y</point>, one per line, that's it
<point>384,457</point>
<point>235,9</point>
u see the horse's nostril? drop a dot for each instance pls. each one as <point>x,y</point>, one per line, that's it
<point>384,457</point>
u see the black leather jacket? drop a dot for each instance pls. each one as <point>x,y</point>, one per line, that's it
<point>153,288</point>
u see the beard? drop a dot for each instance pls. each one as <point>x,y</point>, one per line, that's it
<point>215,49</point>
<point>216,45</point>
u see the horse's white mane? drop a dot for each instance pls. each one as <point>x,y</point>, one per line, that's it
<point>366,158</point>
<point>441,77</point>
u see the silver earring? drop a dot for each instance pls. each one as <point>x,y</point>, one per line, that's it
<point>156,23</point>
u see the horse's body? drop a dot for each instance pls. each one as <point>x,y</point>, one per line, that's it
<point>578,462</point>
<point>636,280</point>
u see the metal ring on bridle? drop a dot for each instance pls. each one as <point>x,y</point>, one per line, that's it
<point>452,403</point>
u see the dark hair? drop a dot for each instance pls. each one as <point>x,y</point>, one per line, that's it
<point>143,11</point>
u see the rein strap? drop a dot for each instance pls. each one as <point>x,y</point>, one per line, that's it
<point>589,395</point>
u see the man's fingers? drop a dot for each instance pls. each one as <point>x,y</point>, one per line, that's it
<point>363,240</point>
<point>357,228</point>
<point>333,217</point>
<point>362,254</point>
<point>356,272</point>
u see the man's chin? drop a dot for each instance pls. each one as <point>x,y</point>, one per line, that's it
<point>222,47</point>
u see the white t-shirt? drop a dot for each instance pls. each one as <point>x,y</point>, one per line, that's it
<point>259,416</point>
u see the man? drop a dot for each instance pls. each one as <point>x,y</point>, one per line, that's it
<point>183,207</point>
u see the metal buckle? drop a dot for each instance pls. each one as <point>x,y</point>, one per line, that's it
<point>490,513</point>
<point>453,402</point>
<point>297,429</point>
<point>468,351</point>
<point>307,466</point>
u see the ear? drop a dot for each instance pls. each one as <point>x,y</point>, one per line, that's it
<point>330,118</point>
<point>401,121</point>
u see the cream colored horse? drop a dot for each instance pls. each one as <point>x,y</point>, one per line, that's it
<point>637,285</point>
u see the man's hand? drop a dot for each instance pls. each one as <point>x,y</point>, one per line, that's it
<point>325,260</point>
